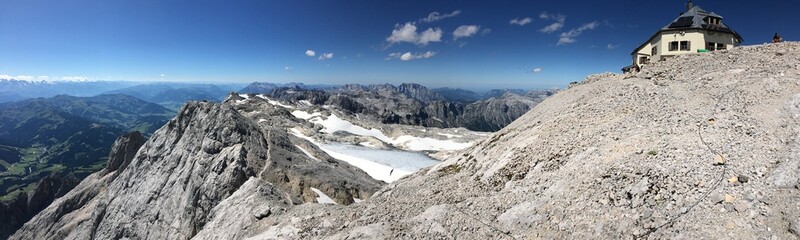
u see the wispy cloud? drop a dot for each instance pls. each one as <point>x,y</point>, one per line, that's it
<point>557,25</point>
<point>288,68</point>
<point>18,77</point>
<point>436,16</point>
<point>465,31</point>
<point>325,56</point>
<point>521,22</point>
<point>408,33</point>
<point>408,56</point>
<point>612,46</point>
<point>44,78</point>
<point>310,53</point>
<point>536,70</point>
<point>570,37</point>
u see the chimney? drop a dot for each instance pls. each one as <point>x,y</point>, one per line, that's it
<point>689,5</point>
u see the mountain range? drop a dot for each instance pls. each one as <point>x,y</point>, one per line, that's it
<point>414,104</point>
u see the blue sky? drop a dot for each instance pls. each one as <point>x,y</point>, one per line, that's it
<point>473,45</point>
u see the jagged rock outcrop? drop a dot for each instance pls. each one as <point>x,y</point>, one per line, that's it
<point>699,146</point>
<point>497,112</point>
<point>123,151</point>
<point>419,92</point>
<point>24,206</point>
<point>187,173</point>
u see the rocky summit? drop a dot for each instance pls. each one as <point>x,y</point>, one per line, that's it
<point>702,146</point>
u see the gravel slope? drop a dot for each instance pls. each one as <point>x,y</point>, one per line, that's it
<point>697,147</point>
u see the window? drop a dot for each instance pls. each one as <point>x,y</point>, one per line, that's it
<point>712,20</point>
<point>711,46</point>
<point>653,51</point>
<point>682,45</point>
<point>643,60</point>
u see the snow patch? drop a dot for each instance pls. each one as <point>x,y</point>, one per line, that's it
<point>322,198</point>
<point>368,144</point>
<point>245,96</point>
<point>273,102</point>
<point>307,153</point>
<point>304,115</point>
<point>333,123</point>
<point>423,144</point>
<point>356,200</point>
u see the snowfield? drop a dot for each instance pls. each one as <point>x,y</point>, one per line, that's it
<point>333,123</point>
<point>384,165</point>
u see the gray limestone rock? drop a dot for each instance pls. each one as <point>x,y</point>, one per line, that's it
<point>190,169</point>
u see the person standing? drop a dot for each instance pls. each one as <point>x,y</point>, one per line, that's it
<point>777,38</point>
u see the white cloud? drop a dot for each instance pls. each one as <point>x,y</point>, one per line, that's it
<point>570,37</point>
<point>44,78</point>
<point>557,25</point>
<point>408,56</point>
<point>430,35</point>
<point>404,33</point>
<point>536,70</point>
<point>408,33</point>
<point>18,77</point>
<point>521,22</point>
<point>287,68</point>
<point>310,53</point>
<point>436,16</point>
<point>162,75</point>
<point>465,31</point>
<point>612,46</point>
<point>325,56</point>
<point>486,31</point>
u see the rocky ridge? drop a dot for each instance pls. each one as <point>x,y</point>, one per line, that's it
<point>186,176</point>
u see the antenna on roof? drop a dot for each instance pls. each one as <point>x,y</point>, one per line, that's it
<point>689,5</point>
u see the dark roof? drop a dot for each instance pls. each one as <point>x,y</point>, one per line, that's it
<point>695,18</point>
